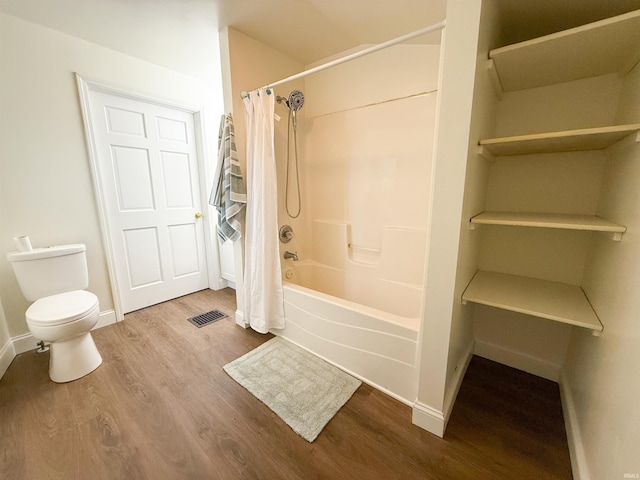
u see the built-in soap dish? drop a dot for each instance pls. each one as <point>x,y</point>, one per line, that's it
<point>364,255</point>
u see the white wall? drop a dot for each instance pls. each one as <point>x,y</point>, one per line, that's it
<point>6,356</point>
<point>7,351</point>
<point>579,104</point>
<point>601,374</point>
<point>250,64</point>
<point>4,330</point>
<point>46,188</point>
<point>476,178</point>
<point>455,101</point>
<point>177,35</point>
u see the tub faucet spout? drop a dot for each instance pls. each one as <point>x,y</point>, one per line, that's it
<point>288,255</point>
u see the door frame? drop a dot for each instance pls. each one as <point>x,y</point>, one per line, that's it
<point>87,85</point>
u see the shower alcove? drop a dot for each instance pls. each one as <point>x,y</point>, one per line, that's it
<point>365,146</point>
<point>366,142</point>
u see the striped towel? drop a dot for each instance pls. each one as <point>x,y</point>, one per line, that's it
<point>228,194</point>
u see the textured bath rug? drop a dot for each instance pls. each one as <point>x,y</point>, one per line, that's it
<point>304,390</point>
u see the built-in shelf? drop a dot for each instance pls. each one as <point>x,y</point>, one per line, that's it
<point>607,46</point>
<point>550,220</point>
<point>563,141</point>
<point>556,301</point>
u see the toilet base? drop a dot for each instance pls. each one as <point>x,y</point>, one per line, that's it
<point>73,359</point>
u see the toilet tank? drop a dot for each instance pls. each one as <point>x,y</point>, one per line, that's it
<point>50,270</point>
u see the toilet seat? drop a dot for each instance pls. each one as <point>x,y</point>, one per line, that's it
<point>61,308</point>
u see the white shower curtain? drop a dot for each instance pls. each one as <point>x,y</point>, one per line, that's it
<point>263,297</point>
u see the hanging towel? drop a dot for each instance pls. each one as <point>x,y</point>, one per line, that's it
<point>228,194</point>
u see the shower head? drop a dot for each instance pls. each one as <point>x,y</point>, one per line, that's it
<point>296,100</point>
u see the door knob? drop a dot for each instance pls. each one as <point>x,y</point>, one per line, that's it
<point>198,215</point>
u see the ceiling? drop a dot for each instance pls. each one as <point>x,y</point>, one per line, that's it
<point>308,30</point>
<point>181,34</point>
<point>305,30</point>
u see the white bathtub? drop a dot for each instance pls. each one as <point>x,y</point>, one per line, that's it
<point>365,325</point>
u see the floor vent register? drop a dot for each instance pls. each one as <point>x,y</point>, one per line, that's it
<point>206,318</point>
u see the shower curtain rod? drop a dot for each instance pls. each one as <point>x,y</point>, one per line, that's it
<point>353,56</point>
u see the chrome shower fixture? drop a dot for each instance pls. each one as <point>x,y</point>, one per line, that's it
<point>285,233</point>
<point>296,100</point>
<point>293,103</point>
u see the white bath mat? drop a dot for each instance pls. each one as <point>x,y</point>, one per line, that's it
<point>302,389</point>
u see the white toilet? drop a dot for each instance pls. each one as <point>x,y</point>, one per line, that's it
<point>62,313</point>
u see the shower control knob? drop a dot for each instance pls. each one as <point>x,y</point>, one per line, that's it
<point>286,234</point>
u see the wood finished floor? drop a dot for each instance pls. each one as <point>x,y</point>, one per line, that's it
<point>161,407</point>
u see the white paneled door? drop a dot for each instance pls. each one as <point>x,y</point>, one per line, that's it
<point>148,173</point>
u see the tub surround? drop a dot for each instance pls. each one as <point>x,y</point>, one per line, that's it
<point>359,307</point>
<point>377,347</point>
<point>399,257</point>
<point>365,150</point>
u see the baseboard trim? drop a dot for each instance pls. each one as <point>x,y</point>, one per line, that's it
<point>106,318</point>
<point>512,358</point>
<point>428,418</point>
<point>240,319</point>
<point>7,354</point>
<point>456,383</point>
<point>579,464</point>
<point>26,341</point>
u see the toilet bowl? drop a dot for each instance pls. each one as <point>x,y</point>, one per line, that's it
<point>65,320</point>
<point>62,313</point>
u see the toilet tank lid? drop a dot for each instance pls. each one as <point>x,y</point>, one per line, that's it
<point>46,252</point>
